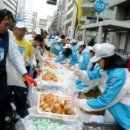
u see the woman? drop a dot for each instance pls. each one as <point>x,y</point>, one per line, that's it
<point>68,55</point>
<point>116,96</point>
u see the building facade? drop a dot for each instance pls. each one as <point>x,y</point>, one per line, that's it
<point>43,23</point>
<point>115,31</point>
<point>11,5</point>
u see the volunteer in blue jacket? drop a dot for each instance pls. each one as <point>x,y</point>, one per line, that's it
<point>84,56</point>
<point>74,44</point>
<point>68,55</point>
<point>8,50</point>
<point>83,62</point>
<point>57,47</point>
<point>116,96</point>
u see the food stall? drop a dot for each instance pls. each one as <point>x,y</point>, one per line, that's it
<point>48,102</point>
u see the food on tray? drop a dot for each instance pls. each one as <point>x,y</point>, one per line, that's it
<point>51,55</point>
<point>50,65</point>
<point>47,124</point>
<point>50,77</point>
<point>52,103</point>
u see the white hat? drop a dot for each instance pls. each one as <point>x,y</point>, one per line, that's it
<point>102,50</point>
<point>80,44</point>
<point>68,46</point>
<point>56,37</point>
<point>73,41</point>
<point>20,24</point>
<point>59,40</point>
<point>37,31</point>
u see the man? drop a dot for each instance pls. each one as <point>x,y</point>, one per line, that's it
<point>25,47</point>
<point>8,49</point>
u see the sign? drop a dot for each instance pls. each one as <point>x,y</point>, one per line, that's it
<point>99,6</point>
<point>52,2</point>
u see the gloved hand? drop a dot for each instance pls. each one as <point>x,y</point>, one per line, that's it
<point>73,102</point>
<point>30,80</point>
<point>77,72</point>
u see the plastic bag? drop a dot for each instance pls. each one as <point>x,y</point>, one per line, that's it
<point>32,96</point>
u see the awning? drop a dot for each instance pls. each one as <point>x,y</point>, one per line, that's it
<point>110,25</point>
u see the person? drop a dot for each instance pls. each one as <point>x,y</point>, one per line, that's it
<point>25,47</point>
<point>73,42</point>
<point>84,56</point>
<point>128,62</point>
<point>8,48</point>
<point>83,62</point>
<point>68,55</point>
<point>35,32</point>
<point>46,42</point>
<point>115,97</point>
<point>39,58</point>
<point>57,47</point>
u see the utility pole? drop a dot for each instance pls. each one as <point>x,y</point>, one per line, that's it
<point>76,21</point>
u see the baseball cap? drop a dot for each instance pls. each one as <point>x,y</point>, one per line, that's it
<point>102,50</point>
<point>59,40</point>
<point>67,46</point>
<point>73,41</point>
<point>37,31</point>
<point>80,44</point>
<point>20,24</point>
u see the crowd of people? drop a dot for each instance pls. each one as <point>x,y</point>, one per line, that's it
<point>21,58</point>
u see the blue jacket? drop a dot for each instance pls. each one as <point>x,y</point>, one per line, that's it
<point>84,59</point>
<point>115,98</point>
<point>58,48</point>
<point>72,58</point>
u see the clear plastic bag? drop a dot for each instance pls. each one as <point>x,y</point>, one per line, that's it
<point>32,96</point>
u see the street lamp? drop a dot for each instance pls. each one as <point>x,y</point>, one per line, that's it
<point>76,21</point>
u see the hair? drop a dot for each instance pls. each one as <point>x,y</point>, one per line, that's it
<point>62,36</point>
<point>5,14</point>
<point>43,32</point>
<point>114,61</point>
<point>38,38</point>
<point>67,52</point>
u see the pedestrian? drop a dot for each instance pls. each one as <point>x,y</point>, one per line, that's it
<point>25,47</point>
<point>8,48</point>
<point>115,97</point>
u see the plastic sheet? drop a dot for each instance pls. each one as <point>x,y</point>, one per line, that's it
<point>45,123</point>
<point>32,96</point>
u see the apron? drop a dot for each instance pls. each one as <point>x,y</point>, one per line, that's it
<point>4,45</point>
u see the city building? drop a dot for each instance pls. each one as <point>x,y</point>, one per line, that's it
<point>43,23</point>
<point>115,31</point>
<point>20,10</point>
<point>28,15</point>
<point>11,5</point>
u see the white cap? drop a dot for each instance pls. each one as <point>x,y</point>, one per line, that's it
<point>89,48</point>
<point>80,44</point>
<point>59,40</point>
<point>68,46</point>
<point>73,41</point>
<point>20,24</point>
<point>56,37</point>
<point>37,31</point>
<point>103,50</point>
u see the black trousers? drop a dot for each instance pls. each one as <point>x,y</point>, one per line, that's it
<point>4,92</point>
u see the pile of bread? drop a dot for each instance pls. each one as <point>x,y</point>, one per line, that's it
<point>49,77</point>
<point>51,55</point>
<point>54,104</point>
<point>50,65</point>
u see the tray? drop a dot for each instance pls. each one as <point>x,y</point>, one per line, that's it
<point>46,123</point>
<point>58,116</point>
